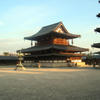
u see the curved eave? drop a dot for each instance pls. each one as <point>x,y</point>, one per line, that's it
<point>96,45</point>
<point>29,38</point>
<point>42,48</point>
<point>53,34</point>
<point>77,49</point>
<point>97,52</point>
<point>66,35</point>
<point>97,30</point>
<point>98,15</point>
<point>57,47</point>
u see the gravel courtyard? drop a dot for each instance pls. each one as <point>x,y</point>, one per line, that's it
<point>50,84</point>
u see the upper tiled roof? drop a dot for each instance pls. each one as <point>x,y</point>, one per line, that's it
<point>44,30</point>
<point>49,30</point>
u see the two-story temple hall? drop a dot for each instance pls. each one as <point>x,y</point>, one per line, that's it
<point>52,47</point>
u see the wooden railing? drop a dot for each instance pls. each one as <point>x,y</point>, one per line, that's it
<point>60,41</point>
<point>73,54</point>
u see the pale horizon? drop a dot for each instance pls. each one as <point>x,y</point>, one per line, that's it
<point>21,18</point>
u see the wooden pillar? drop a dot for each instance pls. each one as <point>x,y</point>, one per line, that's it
<point>31,43</point>
<point>72,42</point>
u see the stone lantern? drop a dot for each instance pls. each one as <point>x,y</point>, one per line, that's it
<point>19,65</point>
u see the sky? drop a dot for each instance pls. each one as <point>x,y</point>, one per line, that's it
<point>22,18</point>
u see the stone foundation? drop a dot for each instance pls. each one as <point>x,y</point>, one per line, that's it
<point>49,64</point>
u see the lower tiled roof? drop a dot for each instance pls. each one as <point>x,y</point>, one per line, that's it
<point>57,47</point>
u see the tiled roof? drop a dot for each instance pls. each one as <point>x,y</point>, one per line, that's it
<point>44,30</point>
<point>58,47</point>
<point>8,58</point>
<point>50,30</point>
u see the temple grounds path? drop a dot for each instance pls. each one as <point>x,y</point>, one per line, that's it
<point>50,84</point>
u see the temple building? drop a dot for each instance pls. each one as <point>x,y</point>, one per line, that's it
<point>52,45</point>
<point>8,60</point>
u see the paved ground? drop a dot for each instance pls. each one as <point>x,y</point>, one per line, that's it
<point>50,84</point>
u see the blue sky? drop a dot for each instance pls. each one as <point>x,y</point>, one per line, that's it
<point>21,18</point>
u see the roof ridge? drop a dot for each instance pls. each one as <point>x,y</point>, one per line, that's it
<point>52,24</point>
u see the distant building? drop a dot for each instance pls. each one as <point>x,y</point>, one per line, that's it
<point>8,60</point>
